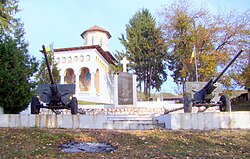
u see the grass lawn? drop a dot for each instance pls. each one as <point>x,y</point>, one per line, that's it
<point>44,143</point>
<point>88,103</point>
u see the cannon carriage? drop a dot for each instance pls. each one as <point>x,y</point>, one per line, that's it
<point>54,96</point>
<point>207,94</point>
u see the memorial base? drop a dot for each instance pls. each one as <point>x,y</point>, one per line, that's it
<point>125,106</point>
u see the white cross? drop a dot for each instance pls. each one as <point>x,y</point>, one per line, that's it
<point>124,63</point>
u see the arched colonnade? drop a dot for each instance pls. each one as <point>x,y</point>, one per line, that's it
<point>84,79</point>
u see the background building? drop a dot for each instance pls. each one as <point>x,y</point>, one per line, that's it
<point>88,66</point>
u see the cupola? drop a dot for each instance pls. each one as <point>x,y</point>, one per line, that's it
<point>96,36</point>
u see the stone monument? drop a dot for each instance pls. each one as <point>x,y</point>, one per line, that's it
<point>125,94</point>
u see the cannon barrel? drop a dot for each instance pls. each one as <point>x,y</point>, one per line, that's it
<point>205,93</point>
<point>48,66</point>
<point>230,63</point>
<point>58,97</point>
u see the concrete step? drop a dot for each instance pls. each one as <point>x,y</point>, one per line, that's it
<point>129,117</point>
<point>130,126</point>
<point>132,122</point>
<point>122,111</point>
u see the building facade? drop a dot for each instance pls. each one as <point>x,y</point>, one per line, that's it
<point>88,66</point>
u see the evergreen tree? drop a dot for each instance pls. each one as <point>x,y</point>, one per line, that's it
<point>16,70</point>
<point>42,75</point>
<point>146,51</point>
<point>8,8</point>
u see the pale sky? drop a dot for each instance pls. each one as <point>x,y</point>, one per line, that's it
<point>62,21</point>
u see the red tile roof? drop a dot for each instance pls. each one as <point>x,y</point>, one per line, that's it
<point>110,59</point>
<point>97,28</point>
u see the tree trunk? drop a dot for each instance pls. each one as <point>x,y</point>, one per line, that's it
<point>183,86</point>
<point>149,82</point>
<point>145,88</point>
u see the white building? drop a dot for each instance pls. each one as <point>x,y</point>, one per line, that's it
<point>88,66</point>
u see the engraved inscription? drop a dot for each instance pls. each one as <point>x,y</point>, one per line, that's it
<point>125,89</point>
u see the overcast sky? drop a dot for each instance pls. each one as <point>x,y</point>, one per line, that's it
<point>62,21</point>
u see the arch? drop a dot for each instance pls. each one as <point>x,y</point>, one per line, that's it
<point>97,81</point>
<point>63,60</point>
<point>69,59</point>
<point>75,59</point>
<point>87,58</point>
<point>58,60</point>
<point>84,79</point>
<point>69,77</point>
<point>81,58</point>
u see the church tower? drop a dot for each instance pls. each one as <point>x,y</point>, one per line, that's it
<point>96,36</point>
<point>88,66</point>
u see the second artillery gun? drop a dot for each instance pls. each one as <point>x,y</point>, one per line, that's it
<point>54,96</point>
<point>207,94</point>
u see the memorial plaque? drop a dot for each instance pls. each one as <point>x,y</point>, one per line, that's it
<point>125,88</point>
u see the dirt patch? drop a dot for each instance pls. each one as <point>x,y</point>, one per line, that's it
<point>91,147</point>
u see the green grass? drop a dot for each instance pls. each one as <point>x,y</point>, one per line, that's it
<point>44,143</point>
<point>88,103</point>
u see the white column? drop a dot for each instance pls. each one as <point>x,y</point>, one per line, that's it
<point>92,89</point>
<point>61,77</point>
<point>115,90</point>
<point>77,73</point>
<point>134,91</point>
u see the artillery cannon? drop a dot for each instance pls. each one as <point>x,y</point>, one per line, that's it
<point>54,96</point>
<point>207,94</point>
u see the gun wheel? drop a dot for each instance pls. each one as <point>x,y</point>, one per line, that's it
<point>35,108</point>
<point>225,103</point>
<point>74,106</point>
<point>188,104</point>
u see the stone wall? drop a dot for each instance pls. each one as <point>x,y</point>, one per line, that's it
<point>206,121</point>
<point>129,111</point>
<point>176,121</point>
<point>53,121</point>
